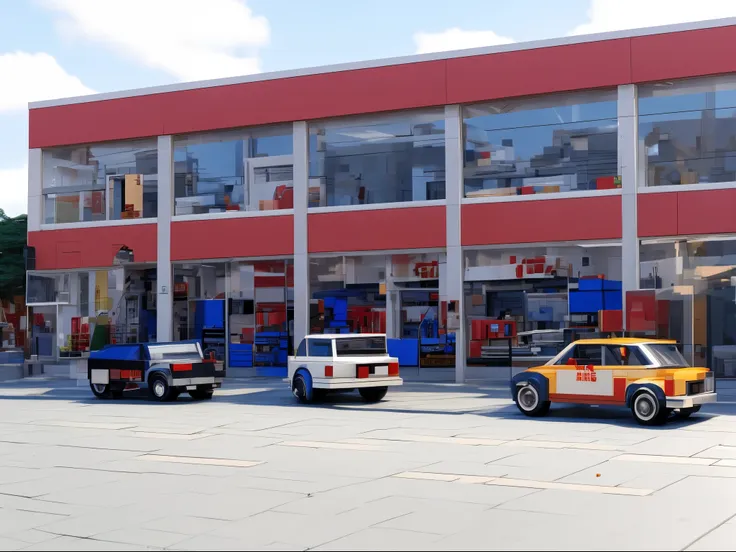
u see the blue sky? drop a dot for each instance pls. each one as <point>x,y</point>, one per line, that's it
<point>56,48</point>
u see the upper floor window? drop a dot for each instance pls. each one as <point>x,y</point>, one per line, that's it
<point>100,182</point>
<point>687,131</point>
<point>243,170</point>
<point>556,143</point>
<point>385,159</point>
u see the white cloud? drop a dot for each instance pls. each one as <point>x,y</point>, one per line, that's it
<point>14,191</point>
<point>607,15</point>
<point>188,39</point>
<point>456,39</point>
<point>34,77</point>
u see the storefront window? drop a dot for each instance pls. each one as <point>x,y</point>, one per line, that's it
<point>101,182</point>
<point>261,316</point>
<point>199,305</point>
<point>73,313</point>
<point>557,143</point>
<point>248,170</point>
<point>524,305</point>
<point>687,131</point>
<point>384,160</point>
<point>695,299</point>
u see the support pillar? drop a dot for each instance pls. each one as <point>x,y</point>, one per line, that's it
<point>454,192</point>
<point>164,276</point>
<point>301,244</point>
<point>628,162</point>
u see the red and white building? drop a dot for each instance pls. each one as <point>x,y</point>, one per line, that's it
<point>281,197</point>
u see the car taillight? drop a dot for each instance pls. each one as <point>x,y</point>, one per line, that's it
<point>393,369</point>
<point>328,371</point>
<point>363,372</point>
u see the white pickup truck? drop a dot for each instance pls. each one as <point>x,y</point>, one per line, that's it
<point>346,362</point>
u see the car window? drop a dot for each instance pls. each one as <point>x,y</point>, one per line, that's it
<point>588,354</point>
<point>667,355</point>
<point>624,356</point>
<point>320,348</point>
<point>302,349</point>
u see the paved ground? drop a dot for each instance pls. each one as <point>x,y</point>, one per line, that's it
<point>433,467</point>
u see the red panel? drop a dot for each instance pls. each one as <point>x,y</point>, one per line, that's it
<point>657,214</point>
<point>256,103</point>
<point>92,247</point>
<point>706,212</point>
<point>379,229</point>
<point>547,220</point>
<point>585,399</point>
<point>120,119</point>
<point>232,238</point>
<point>669,387</point>
<point>683,54</point>
<point>538,71</point>
<point>619,389</point>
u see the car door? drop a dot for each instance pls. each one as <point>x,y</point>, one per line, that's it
<point>628,364</point>
<point>583,375</point>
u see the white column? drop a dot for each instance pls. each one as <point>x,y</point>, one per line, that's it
<point>164,276</point>
<point>628,163</point>
<point>454,192</point>
<point>301,244</point>
<point>35,190</point>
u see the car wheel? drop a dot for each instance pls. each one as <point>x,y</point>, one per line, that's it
<point>529,402</point>
<point>299,388</point>
<point>202,393</point>
<point>373,394</point>
<point>647,411</point>
<point>159,388</point>
<point>687,412</point>
<point>101,390</point>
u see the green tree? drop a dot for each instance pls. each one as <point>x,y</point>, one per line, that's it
<point>13,233</point>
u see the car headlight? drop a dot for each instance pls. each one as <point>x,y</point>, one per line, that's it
<point>710,382</point>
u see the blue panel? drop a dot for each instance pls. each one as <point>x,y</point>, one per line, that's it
<point>612,285</point>
<point>590,284</point>
<point>118,352</point>
<point>613,300</point>
<point>272,371</point>
<point>585,301</point>
<point>406,350</point>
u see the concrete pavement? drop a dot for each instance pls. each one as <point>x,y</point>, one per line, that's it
<point>434,466</point>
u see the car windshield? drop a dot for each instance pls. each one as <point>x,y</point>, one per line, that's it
<point>667,355</point>
<point>354,346</point>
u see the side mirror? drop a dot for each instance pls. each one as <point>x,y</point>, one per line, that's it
<point>572,362</point>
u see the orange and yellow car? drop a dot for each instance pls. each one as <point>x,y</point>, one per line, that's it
<point>651,377</point>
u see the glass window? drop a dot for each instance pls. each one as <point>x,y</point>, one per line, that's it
<point>100,182</point>
<point>385,160</point>
<point>245,170</point>
<point>362,346</point>
<point>302,350</point>
<point>687,131</point>
<point>692,299</point>
<point>261,316</point>
<point>542,298</point>
<point>588,354</point>
<point>624,356</point>
<point>320,348</point>
<point>667,355</point>
<point>557,143</point>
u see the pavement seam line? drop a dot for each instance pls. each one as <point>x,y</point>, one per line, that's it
<point>708,532</point>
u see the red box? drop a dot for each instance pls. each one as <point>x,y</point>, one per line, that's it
<point>475,349</point>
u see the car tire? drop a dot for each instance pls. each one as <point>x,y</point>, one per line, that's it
<point>300,389</point>
<point>647,411</point>
<point>159,389</point>
<point>202,393</point>
<point>373,394</point>
<point>101,391</point>
<point>529,402</point>
<point>684,413</point>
